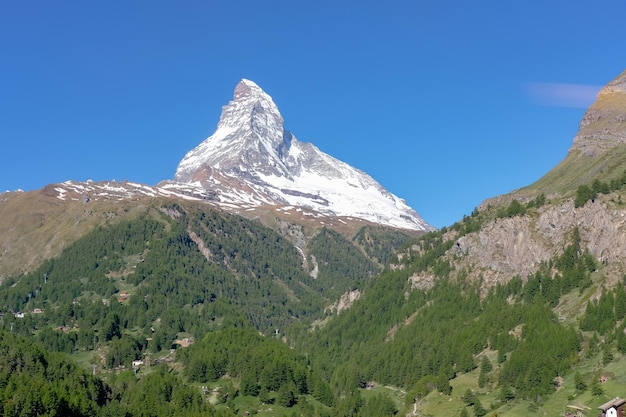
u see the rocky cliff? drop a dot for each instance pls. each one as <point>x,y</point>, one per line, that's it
<point>506,246</point>
<point>604,124</point>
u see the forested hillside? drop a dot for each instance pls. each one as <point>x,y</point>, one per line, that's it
<point>183,310</point>
<point>137,274</point>
<point>178,276</point>
<point>449,326</point>
<point>526,343</point>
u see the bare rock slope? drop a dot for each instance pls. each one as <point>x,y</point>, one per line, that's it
<point>504,246</point>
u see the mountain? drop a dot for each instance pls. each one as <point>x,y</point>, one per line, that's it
<point>252,161</point>
<point>250,166</point>
<point>598,150</point>
<point>521,305</point>
<point>583,192</point>
<point>604,124</point>
<point>517,309</point>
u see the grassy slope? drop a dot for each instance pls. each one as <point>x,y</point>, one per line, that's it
<point>569,310</point>
<point>35,226</point>
<point>603,126</point>
<point>578,169</point>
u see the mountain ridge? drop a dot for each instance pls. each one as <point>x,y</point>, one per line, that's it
<point>38,225</point>
<point>604,124</point>
<point>507,245</point>
<point>530,286</point>
<point>597,151</point>
<point>252,159</point>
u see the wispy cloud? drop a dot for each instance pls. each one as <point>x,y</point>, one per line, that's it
<point>562,95</point>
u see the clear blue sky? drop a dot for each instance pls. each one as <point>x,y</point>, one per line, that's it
<point>445,103</point>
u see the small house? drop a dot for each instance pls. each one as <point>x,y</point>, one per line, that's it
<point>613,408</point>
<point>122,297</point>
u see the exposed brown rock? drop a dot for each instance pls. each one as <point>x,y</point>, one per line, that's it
<point>507,247</point>
<point>604,124</point>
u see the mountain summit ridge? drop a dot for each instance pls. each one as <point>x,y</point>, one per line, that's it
<point>604,122</point>
<point>251,119</point>
<point>252,159</point>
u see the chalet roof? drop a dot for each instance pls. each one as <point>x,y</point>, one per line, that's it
<point>615,402</point>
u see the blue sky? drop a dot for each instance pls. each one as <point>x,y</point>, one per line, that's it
<point>445,103</point>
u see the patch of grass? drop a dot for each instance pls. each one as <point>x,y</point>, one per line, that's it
<point>84,358</point>
<point>436,404</point>
<point>253,406</point>
<point>572,305</point>
<point>397,395</point>
<point>578,169</point>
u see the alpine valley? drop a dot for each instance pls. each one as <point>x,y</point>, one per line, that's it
<point>269,278</point>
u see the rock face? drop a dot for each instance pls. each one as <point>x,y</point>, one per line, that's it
<point>251,161</point>
<point>250,138</point>
<point>604,124</point>
<point>516,246</point>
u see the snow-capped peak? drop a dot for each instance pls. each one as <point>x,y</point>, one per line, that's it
<point>247,88</point>
<point>249,137</point>
<point>252,159</point>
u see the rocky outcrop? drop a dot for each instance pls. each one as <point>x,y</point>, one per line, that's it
<point>513,246</point>
<point>345,301</point>
<point>604,123</point>
<point>516,246</point>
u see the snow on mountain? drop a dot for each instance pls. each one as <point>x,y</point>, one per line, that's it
<point>251,160</point>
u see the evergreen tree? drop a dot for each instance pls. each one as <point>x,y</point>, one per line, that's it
<point>506,394</point>
<point>485,369</point>
<point>596,388</point>
<point>579,383</point>
<point>469,398</point>
<point>250,386</point>
<point>479,410</point>
<point>286,396</point>
<point>584,193</point>
<point>380,405</point>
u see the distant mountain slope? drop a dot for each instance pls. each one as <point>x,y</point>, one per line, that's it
<point>511,234</point>
<point>37,225</point>
<point>184,253</point>
<point>598,150</point>
<point>604,125</point>
<point>251,161</point>
<point>520,305</point>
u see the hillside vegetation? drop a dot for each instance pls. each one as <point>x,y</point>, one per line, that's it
<point>163,307</point>
<point>179,276</point>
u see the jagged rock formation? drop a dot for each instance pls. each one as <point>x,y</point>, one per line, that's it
<point>517,245</point>
<point>604,124</point>
<point>251,161</point>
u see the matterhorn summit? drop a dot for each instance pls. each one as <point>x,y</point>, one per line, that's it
<point>252,161</point>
